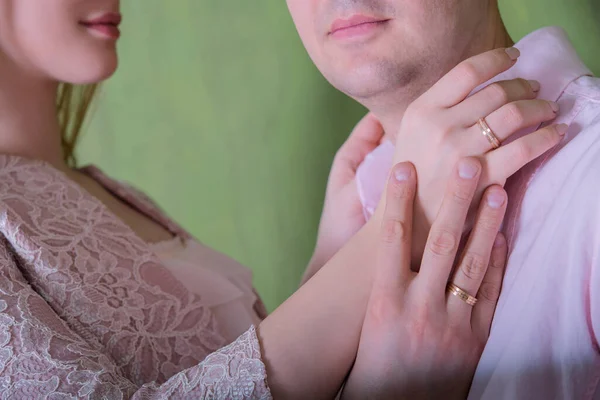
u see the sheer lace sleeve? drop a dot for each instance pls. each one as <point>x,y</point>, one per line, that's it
<point>41,357</point>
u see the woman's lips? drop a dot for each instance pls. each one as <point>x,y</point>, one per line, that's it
<point>106,25</point>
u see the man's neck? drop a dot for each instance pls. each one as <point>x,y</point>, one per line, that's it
<point>29,125</point>
<point>390,115</point>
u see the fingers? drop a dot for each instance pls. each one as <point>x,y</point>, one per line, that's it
<point>512,118</point>
<point>473,264</point>
<point>457,84</point>
<point>519,115</point>
<point>368,129</point>
<point>489,291</point>
<point>365,137</point>
<point>447,229</point>
<point>396,229</point>
<point>494,96</point>
<point>508,159</point>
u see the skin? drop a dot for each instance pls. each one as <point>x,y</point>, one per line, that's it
<point>420,43</point>
<point>42,44</point>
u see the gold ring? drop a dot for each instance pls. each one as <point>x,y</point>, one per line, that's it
<point>487,132</point>
<point>461,294</point>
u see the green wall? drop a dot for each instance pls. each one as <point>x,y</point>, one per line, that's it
<point>219,115</point>
<point>581,19</point>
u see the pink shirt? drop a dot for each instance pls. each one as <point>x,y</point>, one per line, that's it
<point>544,339</point>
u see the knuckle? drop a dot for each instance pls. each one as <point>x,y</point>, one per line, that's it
<point>400,191</point>
<point>473,266</point>
<point>548,139</point>
<point>341,154</point>
<point>514,116</point>
<point>498,259</point>
<point>469,73</point>
<point>499,92</point>
<point>495,59</point>
<point>443,243</point>
<point>381,309</point>
<point>488,223</point>
<point>420,320</point>
<point>545,140</point>
<point>523,153</point>
<point>551,136</point>
<point>443,131</point>
<point>393,231</point>
<point>488,292</point>
<point>501,57</point>
<point>524,86</point>
<point>462,195</point>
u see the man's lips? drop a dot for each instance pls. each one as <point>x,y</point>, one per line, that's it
<point>356,21</point>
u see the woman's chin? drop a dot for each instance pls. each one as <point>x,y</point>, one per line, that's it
<point>90,74</point>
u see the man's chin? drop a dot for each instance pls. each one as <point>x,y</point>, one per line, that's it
<point>377,84</point>
<point>366,82</point>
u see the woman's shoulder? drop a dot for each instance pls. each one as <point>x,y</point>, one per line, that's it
<point>26,187</point>
<point>16,169</point>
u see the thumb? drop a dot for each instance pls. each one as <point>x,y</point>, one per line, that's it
<point>365,137</point>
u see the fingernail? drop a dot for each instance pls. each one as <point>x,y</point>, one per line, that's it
<point>562,129</point>
<point>499,240</point>
<point>513,53</point>
<point>495,199</point>
<point>554,106</point>
<point>467,169</point>
<point>402,172</point>
<point>535,86</point>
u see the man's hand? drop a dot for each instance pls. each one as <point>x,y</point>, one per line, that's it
<point>342,214</point>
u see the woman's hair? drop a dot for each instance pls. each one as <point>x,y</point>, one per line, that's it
<point>72,104</point>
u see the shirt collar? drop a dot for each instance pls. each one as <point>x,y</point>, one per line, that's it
<point>548,57</point>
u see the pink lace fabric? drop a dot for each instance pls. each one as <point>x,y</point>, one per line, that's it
<point>88,311</point>
<point>225,285</point>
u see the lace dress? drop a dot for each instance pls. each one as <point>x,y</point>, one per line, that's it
<point>89,310</point>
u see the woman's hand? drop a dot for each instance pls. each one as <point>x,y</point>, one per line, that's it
<point>441,127</point>
<point>418,340</point>
<point>342,213</point>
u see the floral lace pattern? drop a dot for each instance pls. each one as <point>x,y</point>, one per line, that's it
<point>86,309</point>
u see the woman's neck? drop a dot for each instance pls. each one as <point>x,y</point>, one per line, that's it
<point>29,125</point>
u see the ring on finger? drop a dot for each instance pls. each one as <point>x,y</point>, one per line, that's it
<point>461,294</point>
<point>488,133</point>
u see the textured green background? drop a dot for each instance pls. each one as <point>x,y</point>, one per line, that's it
<point>219,115</point>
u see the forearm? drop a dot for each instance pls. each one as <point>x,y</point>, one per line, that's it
<point>317,261</point>
<point>309,343</point>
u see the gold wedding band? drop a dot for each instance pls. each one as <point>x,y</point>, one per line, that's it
<point>487,132</point>
<point>461,294</point>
